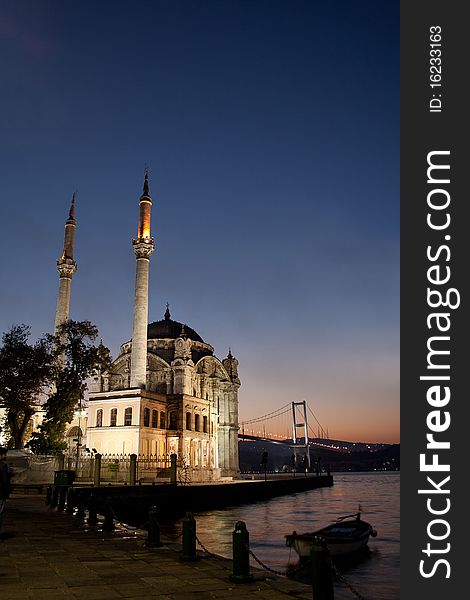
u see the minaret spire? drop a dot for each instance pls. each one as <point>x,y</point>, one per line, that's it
<point>143,247</point>
<point>66,267</point>
<point>72,209</point>
<point>146,182</point>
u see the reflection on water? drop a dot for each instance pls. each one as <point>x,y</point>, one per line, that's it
<point>375,575</point>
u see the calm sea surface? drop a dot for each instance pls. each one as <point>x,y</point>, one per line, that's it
<point>375,576</point>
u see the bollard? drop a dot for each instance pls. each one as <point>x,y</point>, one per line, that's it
<point>322,576</point>
<point>62,496</point>
<point>189,538</point>
<point>49,495</point>
<point>80,514</point>
<point>108,523</point>
<point>241,554</point>
<point>173,458</point>
<point>55,496</point>
<point>70,501</point>
<point>92,514</point>
<point>153,538</point>
<point>132,469</point>
<point>97,470</point>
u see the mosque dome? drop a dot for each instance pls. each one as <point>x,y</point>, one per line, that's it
<point>169,329</point>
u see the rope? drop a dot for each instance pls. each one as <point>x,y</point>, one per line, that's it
<point>343,579</point>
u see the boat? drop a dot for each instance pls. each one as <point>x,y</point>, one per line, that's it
<point>347,535</point>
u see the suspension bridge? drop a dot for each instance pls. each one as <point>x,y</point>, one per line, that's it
<point>294,425</point>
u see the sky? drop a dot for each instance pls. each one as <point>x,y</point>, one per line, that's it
<point>271,133</point>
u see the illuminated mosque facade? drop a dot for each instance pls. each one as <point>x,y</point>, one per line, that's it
<point>166,392</point>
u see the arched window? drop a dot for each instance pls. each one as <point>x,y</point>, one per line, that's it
<point>99,418</point>
<point>128,416</point>
<point>154,419</point>
<point>204,424</point>
<point>147,418</point>
<point>75,435</point>
<point>173,420</point>
<point>162,421</point>
<point>188,421</point>
<point>196,422</point>
<point>113,418</point>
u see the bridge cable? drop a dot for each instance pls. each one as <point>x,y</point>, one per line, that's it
<point>271,415</point>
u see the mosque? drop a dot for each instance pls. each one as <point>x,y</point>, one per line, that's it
<point>166,392</point>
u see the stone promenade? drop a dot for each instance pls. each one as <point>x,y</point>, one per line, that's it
<point>51,555</point>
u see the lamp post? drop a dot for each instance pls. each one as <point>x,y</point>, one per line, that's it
<point>264,462</point>
<point>79,433</point>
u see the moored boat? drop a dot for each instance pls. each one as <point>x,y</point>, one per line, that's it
<point>347,535</point>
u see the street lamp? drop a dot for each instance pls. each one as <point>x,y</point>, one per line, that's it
<point>80,413</point>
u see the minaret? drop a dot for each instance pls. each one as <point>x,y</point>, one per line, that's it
<point>66,267</point>
<point>143,247</point>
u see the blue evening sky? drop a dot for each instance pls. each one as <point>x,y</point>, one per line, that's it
<point>271,132</point>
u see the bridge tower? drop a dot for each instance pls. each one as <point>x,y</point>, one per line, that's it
<point>299,422</point>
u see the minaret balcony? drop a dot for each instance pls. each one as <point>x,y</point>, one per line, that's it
<point>143,247</point>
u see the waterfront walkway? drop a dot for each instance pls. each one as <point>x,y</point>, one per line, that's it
<point>53,556</point>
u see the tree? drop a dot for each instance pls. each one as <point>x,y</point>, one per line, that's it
<point>77,357</point>
<point>25,370</point>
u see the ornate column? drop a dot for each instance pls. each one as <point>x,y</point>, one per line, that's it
<point>231,414</point>
<point>143,247</point>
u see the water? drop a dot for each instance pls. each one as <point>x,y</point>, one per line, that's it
<point>375,575</point>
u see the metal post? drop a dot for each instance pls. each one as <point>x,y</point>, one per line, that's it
<point>189,538</point>
<point>173,458</point>
<point>133,469</point>
<point>322,577</point>
<point>241,554</point>
<point>80,514</point>
<point>264,462</point>
<point>55,496</point>
<point>70,501</point>
<point>97,470</point>
<point>79,435</point>
<point>49,495</point>
<point>62,496</point>
<point>153,538</point>
<point>108,523</point>
<point>92,513</point>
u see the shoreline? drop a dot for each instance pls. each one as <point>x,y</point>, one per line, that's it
<point>54,555</point>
